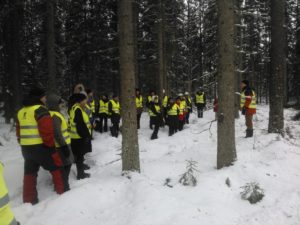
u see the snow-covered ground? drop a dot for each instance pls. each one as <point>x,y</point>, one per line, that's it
<point>108,198</point>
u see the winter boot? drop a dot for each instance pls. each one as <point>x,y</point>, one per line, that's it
<point>86,167</point>
<point>82,175</point>
<point>249,133</point>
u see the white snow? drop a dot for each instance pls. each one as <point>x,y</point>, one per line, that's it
<point>108,198</point>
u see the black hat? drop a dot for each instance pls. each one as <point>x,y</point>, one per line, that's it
<point>79,97</point>
<point>246,82</point>
<point>37,92</point>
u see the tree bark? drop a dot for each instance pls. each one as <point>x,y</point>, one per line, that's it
<point>130,147</point>
<point>162,67</point>
<point>278,66</point>
<point>50,37</point>
<point>297,74</point>
<point>226,84</point>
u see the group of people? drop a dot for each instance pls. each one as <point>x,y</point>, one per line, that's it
<point>51,141</point>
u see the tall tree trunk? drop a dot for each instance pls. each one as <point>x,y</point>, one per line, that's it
<point>12,50</point>
<point>297,74</point>
<point>135,21</point>
<point>162,73</point>
<point>278,66</point>
<point>226,84</point>
<point>51,64</point>
<point>130,147</point>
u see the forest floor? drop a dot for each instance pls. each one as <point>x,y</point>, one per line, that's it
<point>108,198</point>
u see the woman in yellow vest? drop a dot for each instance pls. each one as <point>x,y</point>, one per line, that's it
<point>6,215</point>
<point>114,110</point>
<point>155,116</point>
<point>200,102</point>
<point>173,113</point>
<point>103,114</point>
<point>80,133</point>
<point>188,107</point>
<point>61,134</point>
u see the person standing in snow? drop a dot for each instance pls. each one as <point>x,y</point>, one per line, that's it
<point>6,214</point>
<point>148,103</point>
<point>173,113</point>
<point>35,133</point>
<point>114,110</point>
<point>155,116</point>
<point>181,117</point>
<point>200,102</point>
<point>189,108</point>
<point>61,134</point>
<point>103,113</point>
<point>139,106</point>
<point>248,106</point>
<point>81,134</point>
<point>165,100</point>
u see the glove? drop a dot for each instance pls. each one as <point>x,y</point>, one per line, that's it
<point>244,109</point>
<point>65,150</point>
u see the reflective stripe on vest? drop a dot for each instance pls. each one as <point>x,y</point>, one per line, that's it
<point>174,110</point>
<point>253,100</point>
<point>165,101</point>
<point>157,108</point>
<point>88,110</point>
<point>73,132</point>
<point>103,107</point>
<point>64,128</point>
<point>6,215</point>
<point>115,106</point>
<point>200,98</point>
<point>139,102</point>
<point>29,133</point>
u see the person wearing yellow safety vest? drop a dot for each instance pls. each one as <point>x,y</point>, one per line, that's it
<point>182,111</point>
<point>6,214</point>
<point>103,113</point>
<point>165,100</point>
<point>80,132</point>
<point>200,102</point>
<point>61,134</point>
<point>189,108</point>
<point>173,113</point>
<point>114,110</point>
<point>139,106</point>
<point>148,103</point>
<point>155,116</point>
<point>248,106</point>
<point>35,133</point>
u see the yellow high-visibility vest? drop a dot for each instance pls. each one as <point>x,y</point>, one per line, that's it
<point>103,107</point>
<point>6,215</point>
<point>165,101</point>
<point>93,106</point>
<point>115,106</point>
<point>157,108</point>
<point>73,132</point>
<point>189,100</point>
<point>64,128</point>
<point>174,110</point>
<point>253,100</point>
<point>182,107</point>
<point>200,98</point>
<point>139,102</point>
<point>29,133</point>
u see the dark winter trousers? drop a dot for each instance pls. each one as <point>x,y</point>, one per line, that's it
<point>180,125</point>
<point>103,119</point>
<point>156,122</point>
<point>200,107</point>
<point>249,123</point>
<point>39,156</point>
<point>115,120</point>
<point>138,116</point>
<point>187,117</point>
<point>173,124</point>
<point>79,148</point>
